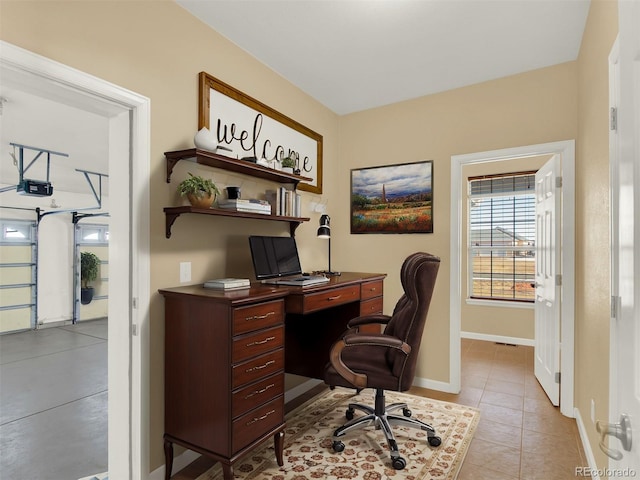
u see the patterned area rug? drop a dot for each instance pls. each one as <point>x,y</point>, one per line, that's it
<point>308,452</point>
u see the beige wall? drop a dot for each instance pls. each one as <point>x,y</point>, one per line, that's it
<point>534,107</point>
<point>592,222</point>
<point>157,49</point>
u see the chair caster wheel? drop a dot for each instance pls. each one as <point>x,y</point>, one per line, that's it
<point>406,412</point>
<point>338,446</point>
<point>398,463</point>
<point>434,441</point>
<point>349,413</point>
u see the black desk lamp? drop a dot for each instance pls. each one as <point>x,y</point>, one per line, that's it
<point>324,231</point>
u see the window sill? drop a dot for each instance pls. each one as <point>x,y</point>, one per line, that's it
<point>500,303</point>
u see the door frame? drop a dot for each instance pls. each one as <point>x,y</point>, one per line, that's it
<point>567,151</point>
<point>128,346</point>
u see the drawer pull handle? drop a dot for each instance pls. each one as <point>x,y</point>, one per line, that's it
<point>262,342</point>
<point>257,392</point>
<point>257,419</point>
<point>259,317</point>
<point>372,289</point>
<point>334,298</point>
<point>260,367</point>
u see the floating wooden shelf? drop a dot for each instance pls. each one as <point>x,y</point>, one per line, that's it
<point>245,167</point>
<point>171,213</point>
<point>211,159</point>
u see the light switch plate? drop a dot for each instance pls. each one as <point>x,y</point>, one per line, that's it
<point>185,272</point>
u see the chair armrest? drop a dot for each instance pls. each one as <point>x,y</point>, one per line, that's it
<point>368,320</point>
<point>359,380</point>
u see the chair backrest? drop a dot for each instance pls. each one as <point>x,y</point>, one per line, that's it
<point>418,277</point>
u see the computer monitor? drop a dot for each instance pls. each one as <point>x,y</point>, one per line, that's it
<point>274,257</point>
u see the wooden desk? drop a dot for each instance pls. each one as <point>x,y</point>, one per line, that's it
<point>225,358</point>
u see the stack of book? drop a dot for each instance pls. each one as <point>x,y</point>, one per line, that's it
<point>251,205</point>
<point>227,283</point>
<point>284,202</point>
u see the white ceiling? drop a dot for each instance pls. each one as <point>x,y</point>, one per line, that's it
<point>352,55</point>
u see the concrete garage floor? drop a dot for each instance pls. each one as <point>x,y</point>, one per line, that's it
<point>53,402</point>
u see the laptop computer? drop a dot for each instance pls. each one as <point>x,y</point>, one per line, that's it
<point>276,261</point>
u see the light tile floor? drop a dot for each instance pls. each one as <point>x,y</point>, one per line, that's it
<point>520,434</point>
<point>53,402</point>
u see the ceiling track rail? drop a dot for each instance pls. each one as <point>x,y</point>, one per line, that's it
<point>96,194</point>
<point>81,216</point>
<point>20,162</point>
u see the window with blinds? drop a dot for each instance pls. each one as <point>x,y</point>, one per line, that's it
<point>502,232</point>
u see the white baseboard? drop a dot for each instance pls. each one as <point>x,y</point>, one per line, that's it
<point>588,452</point>
<point>498,338</point>
<point>433,385</point>
<point>179,463</point>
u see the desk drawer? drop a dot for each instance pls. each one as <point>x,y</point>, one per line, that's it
<point>371,306</point>
<point>258,368</point>
<point>255,317</point>
<point>251,396</point>
<point>247,346</point>
<point>371,290</point>
<point>338,296</point>
<point>256,423</point>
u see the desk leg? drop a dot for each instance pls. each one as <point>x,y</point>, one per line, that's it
<point>168,458</point>
<point>227,471</point>
<point>278,445</point>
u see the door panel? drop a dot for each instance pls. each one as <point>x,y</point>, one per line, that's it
<point>547,306</point>
<point>623,444</point>
<point>17,276</point>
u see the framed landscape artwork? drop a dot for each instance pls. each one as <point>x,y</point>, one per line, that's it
<point>392,198</point>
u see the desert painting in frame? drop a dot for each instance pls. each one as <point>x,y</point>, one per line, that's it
<point>392,198</point>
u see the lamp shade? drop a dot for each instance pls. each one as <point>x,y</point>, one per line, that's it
<point>324,231</point>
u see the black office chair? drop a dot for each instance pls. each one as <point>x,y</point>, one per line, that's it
<point>386,361</point>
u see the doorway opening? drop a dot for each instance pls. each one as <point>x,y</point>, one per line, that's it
<point>127,115</point>
<point>566,150</point>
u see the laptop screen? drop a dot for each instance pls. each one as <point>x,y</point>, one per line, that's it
<point>274,257</point>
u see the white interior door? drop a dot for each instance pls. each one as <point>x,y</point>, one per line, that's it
<point>547,306</point>
<point>617,437</point>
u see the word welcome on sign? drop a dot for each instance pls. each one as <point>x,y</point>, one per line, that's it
<point>247,125</point>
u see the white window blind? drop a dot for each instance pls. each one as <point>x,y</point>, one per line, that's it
<point>502,234</point>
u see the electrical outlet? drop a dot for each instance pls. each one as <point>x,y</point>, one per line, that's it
<point>185,272</point>
<point>593,411</point>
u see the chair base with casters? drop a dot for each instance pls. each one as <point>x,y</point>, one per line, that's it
<point>382,419</point>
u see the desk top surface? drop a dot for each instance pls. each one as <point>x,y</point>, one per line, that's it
<point>262,292</point>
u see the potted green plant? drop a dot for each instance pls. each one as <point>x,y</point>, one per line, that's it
<point>89,265</point>
<point>288,164</point>
<point>200,191</point>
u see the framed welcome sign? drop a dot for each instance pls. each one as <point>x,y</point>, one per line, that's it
<point>247,125</point>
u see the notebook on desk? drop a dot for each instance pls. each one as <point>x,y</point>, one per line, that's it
<point>276,262</point>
